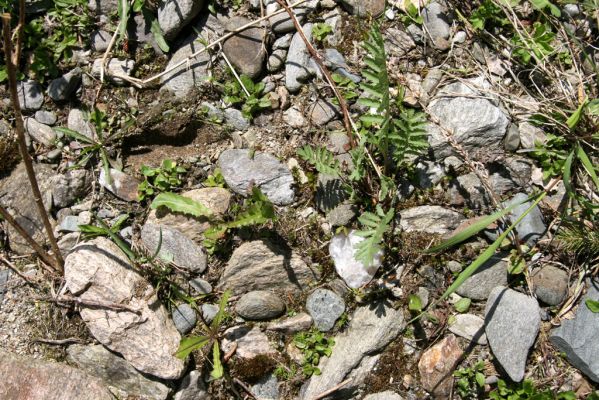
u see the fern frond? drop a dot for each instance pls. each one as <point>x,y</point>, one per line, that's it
<point>409,136</point>
<point>374,227</point>
<point>323,160</point>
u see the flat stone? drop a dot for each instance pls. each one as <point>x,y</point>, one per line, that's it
<point>267,388</point>
<point>430,219</point>
<point>386,395</point>
<point>291,325</point>
<point>61,89</point>
<point>436,365</point>
<point>330,192</point>
<point>531,135</point>
<point>323,112</point>
<point>69,187</point>
<point>251,342</point>
<point>192,387</point>
<point>282,23</point>
<point>242,170</point>
<point>115,69</point>
<point>97,271</point>
<point>260,305</point>
<point>366,8</point>
<point>25,378</point>
<point>41,133</point>
<point>469,326</point>
<point>216,199</point>
<point>353,272</point>
<point>294,118</point>
<point>489,275</point>
<point>209,311</point>
<point>550,284</point>
<point>122,185</point>
<point>261,265</point>
<point>30,95</point>
<point>276,60</point>
<point>182,80</point>
<point>78,122</point>
<point>174,15</point>
<point>325,307</point>
<point>236,119</point>
<point>70,223</point>
<point>175,247</point>
<point>4,276</point>
<point>104,7</point>
<point>342,214</point>
<point>184,318</point>
<point>245,50</point>
<point>371,329</point>
<point>436,24</point>
<point>45,117</point>
<point>297,66</point>
<point>100,40</point>
<point>429,174</point>
<point>200,286</point>
<point>532,227</point>
<point>120,376</point>
<point>512,322</point>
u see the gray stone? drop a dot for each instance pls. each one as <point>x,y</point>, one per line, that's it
<point>45,117</point>
<point>469,326</point>
<point>175,247</point>
<point>120,184</point>
<point>511,142</point>
<point>184,318</point>
<point>386,395</point>
<point>260,305</point>
<point>342,214</point>
<point>294,117</point>
<point>98,272</point>
<point>4,276</point>
<point>236,119</point>
<point>364,8</point>
<point>550,284</point>
<point>78,122</point>
<point>371,329</point>
<point>531,135</point>
<point>430,219</point>
<point>69,187</point>
<point>489,275</point>
<point>104,7</point>
<point>276,60</point>
<point>30,95</point>
<point>476,123</point>
<point>209,311</point>
<point>330,192</point>
<point>416,33</point>
<point>436,25</point>
<point>174,15</point>
<point>115,69</point>
<point>100,40</point>
<point>69,224</point>
<point>26,378</point>
<point>459,37</point>
<point>571,10</point>
<point>282,23</point>
<point>429,174</point>
<point>41,133</point>
<point>201,286</point>
<point>188,76</point>
<point>325,307</point>
<point>323,112</point>
<point>120,376</point>
<point>291,325</point>
<point>297,66</point>
<point>242,170</point>
<point>398,42</point>
<point>68,242</point>
<point>261,265</point>
<point>532,227</point>
<point>245,49</point>
<point>512,322</point>
<point>267,388</point>
<point>577,337</point>
<point>251,342</point>
<point>61,89</point>
<point>192,387</point>
<point>343,252</point>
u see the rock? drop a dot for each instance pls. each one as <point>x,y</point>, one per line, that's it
<point>436,24</point>
<point>577,337</point>
<point>115,69</point>
<point>532,227</point>
<point>469,326</point>
<point>267,388</point>
<point>242,170</point>
<point>371,329</point>
<point>342,215</point>
<point>530,135</point>
<point>70,223</point>
<point>216,199</point>
<point>69,187</point>
<point>429,219</point>
<point>512,322</point>
<point>325,307</point>
<point>276,60</point>
<point>182,80</point>
<point>45,117</point>
<point>297,66</point>
<point>260,265</point>
<point>17,197</point>
<point>429,174</point>
<point>330,192</point>
<point>209,311</point>
<point>398,42</point>
<point>25,378</point>
<point>259,305</point>
<point>122,185</point>
<point>489,275</point>
<point>323,112</point>
<point>511,142</point>
<point>192,387</point>
<point>236,119</point>
<point>184,318</point>
<point>437,364</point>
<point>61,89</point>
<point>41,133</point>
<point>476,123</point>
<point>294,117</point>
<point>97,271</point>
<point>175,247</point>
<point>291,325</point>
<point>30,95</point>
<point>416,33</point>
<point>4,276</point>
<point>282,23</point>
<point>122,379</point>
<point>353,272</point>
<point>366,8</point>
<point>201,286</point>
<point>386,395</point>
<point>251,343</point>
<point>104,7</point>
<point>430,83</point>
<point>550,284</point>
<point>77,121</point>
<point>100,41</point>
<point>174,15</point>
<point>245,50</point>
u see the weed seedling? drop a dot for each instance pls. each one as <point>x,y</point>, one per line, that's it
<point>161,179</point>
<point>313,344</point>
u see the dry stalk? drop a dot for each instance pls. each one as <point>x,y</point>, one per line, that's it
<point>19,273</point>
<point>12,79</point>
<point>332,390</point>
<point>16,56</point>
<point>61,300</point>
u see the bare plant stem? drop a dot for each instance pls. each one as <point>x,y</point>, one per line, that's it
<point>332,390</point>
<point>20,28</point>
<point>16,271</point>
<point>60,300</point>
<point>12,79</point>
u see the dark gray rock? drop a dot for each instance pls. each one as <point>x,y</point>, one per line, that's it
<point>174,15</point>
<point>325,307</point>
<point>260,305</point>
<point>329,192</point>
<point>532,227</point>
<point>4,276</point>
<point>184,318</point>
<point>577,337</point>
<point>192,387</point>
<point>175,247</point>
<point>267,388</point>
<point>241,170</point>
<point>323,112</point>
<point>436,24</point>
<point>297,66</point>
<point>364,8</point>
<point>31,96</point>
<point>245,49</point>
<point>550,284</point>
<point>201,286</point>
<point>489,275</point>
<point>209,311</point>
<point>100,40</point>
<point>41,133</point>
<point>429,174</point>
<point>45,117</point>
<point>512,322</point>
<point>430,219</point>
<point>342,214</point>
<point>235,118</point>
<point>282,23</point>
<point>61,89</point>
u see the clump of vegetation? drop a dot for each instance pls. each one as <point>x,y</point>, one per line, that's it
<point>314,345</point>
<point>470,381</point>
<point>526,390</point>
<point>247,94</point>
<point>161,179</point>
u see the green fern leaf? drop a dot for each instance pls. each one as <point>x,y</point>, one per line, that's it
<point>374,227</point>
<point>409,136</point>
<point>323,160</point>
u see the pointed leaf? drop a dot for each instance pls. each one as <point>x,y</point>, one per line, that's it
<point>189,344</point>
<point>177,203</point>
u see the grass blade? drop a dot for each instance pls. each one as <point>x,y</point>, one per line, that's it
<point>220,315</point>
<point>568,173</point>
<point>75,135</point>
<point>587,164</point>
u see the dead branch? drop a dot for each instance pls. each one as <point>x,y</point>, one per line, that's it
<point>19,273</point>
<point>61,300</point>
